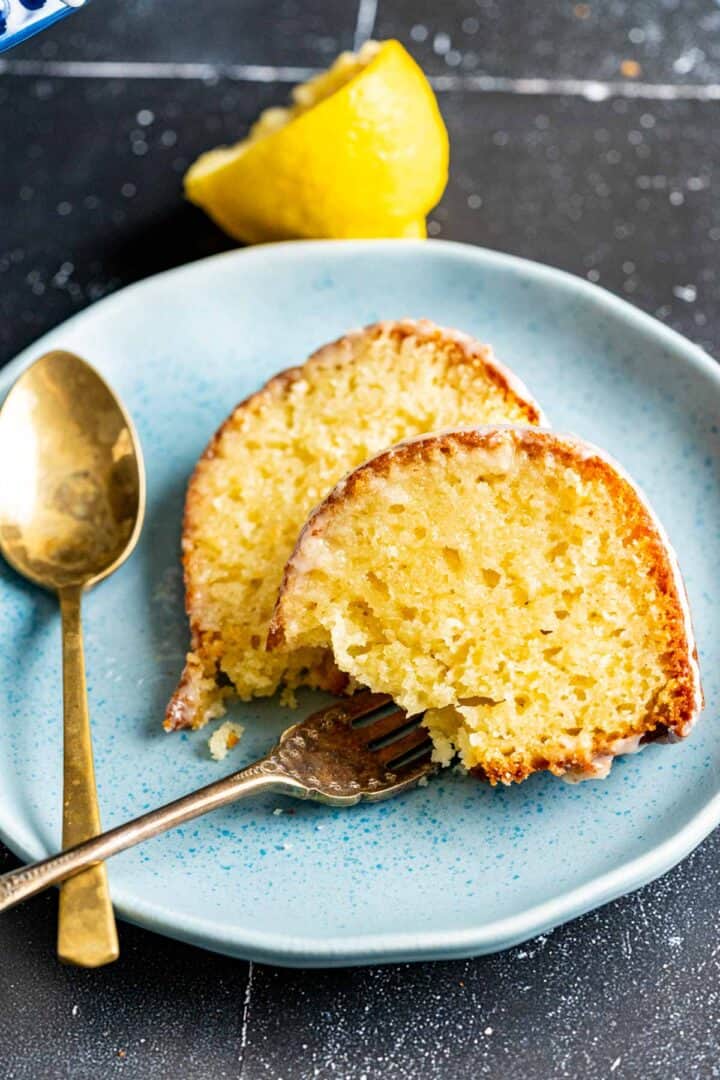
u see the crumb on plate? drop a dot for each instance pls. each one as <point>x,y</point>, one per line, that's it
<point>224,738</point>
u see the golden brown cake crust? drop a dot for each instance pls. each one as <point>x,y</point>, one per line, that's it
<point>196,690</point>
<point>671,720</point>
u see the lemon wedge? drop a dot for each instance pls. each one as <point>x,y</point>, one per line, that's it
<point>361,151</point>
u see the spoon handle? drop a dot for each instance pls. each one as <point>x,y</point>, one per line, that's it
<point>87,935</point>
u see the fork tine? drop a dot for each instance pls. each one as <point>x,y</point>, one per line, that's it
<point>417,766</point>
<point>384,726</point>
<point>353,708</point>
<point>407,776</point>
<point>398,749</point>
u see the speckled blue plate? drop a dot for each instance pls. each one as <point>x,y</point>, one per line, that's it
<point>452,869</point>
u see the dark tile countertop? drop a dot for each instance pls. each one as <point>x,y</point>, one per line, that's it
<point>585,135</point>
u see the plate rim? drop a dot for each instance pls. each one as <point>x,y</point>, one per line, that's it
<point>360,949</point>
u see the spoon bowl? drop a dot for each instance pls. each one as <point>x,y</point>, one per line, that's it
<point>72,500</point>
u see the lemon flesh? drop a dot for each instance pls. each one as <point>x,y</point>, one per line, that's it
<point>361,151</point>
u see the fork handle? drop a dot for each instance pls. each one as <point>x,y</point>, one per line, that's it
<point>28,880</point>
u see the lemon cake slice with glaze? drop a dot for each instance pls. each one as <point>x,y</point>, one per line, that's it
<point>277,456</point>
<point>513,584</point>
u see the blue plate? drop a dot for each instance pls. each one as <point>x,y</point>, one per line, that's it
<point>455,868</point>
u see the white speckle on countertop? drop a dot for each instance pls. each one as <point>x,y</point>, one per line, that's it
<point>685,63</point>
<point>441,44</point>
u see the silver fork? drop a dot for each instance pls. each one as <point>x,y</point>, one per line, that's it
<point>331,757</point>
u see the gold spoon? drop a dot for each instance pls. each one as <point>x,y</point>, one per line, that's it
<point>72,499</point>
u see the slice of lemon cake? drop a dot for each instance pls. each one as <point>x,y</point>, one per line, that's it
<point>511,582</point>
<point>277,456</point>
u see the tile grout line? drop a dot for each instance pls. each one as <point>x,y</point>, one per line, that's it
<point>246,1014</point>
<point>119,69</point>
<point>589,89</point>
<point>365,22</point>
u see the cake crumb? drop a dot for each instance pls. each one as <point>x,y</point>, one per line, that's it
<point>443,749</point>
<point>224,738</point>
<point>288,698</point>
